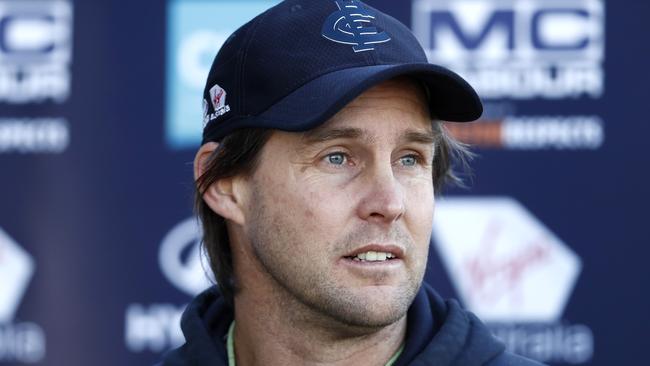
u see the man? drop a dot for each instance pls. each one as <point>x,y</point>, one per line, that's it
<point>315,187</point>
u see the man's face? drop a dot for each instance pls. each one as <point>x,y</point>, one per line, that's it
<point>358,186</point>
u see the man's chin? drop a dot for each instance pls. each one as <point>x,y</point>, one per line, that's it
<point>369,307</point>
<point>371,319</point>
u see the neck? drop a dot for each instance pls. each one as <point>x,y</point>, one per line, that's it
<point>272,332</point>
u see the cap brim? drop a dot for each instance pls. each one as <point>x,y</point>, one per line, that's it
<point>451,98</point>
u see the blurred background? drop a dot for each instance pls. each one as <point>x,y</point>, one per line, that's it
<point>100,116</point>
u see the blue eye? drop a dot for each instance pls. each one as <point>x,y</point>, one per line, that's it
<point>409,160</point>
<point>336,158</point>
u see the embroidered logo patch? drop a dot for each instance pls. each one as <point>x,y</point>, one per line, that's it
<point>218,99</point>
<point>352,24</point>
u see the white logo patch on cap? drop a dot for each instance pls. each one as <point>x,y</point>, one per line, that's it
<point>218,99</point>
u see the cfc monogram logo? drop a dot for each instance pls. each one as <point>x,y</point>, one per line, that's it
<point>352,24</point>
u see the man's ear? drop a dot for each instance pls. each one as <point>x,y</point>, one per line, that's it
<point>224,196</point>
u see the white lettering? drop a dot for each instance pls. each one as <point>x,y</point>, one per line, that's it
<point>553,343</point>
<point>154,328</point>
<point>34,135</point>
<point>574,132</point>
<point>22,342</point>
<point>37,51</point>
<point>507,49</point>
<point>536,81</point>
<point>25,84</point>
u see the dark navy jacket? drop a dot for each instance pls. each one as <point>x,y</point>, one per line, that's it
<point>439,333</point>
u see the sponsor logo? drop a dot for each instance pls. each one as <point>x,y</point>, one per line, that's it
<point>19,342</point>
<point>513,272</point>
<point>218,98</point>
<point>34,135</point>
<point>181,259</point>
<point>352,25</point>
<point>532,133</point>
<point>156,327</point>
<point>519,49</point>
<point>153,328</point>
<point>17,268</point>
<point>512,50</point>
<point>35,51</point>
<point>193,39</point>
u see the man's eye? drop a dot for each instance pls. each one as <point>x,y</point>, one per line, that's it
<point>336,158</point>
<point>409,160</point>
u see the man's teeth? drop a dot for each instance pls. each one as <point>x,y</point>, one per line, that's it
<point>371,256</point>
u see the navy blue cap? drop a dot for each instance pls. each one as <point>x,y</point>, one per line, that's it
<point>295,65</point>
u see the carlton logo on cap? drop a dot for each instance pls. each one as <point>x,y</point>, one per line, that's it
<point>352,24</point>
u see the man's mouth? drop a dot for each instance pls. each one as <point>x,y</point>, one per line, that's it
<point>372,256</point>
<point>376,253</point>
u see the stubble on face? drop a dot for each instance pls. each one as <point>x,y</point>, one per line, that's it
<point>297,281</point>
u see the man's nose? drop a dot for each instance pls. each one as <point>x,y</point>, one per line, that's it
<point>383,200</point>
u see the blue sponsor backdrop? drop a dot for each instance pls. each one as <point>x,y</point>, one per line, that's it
<point>99,118</point>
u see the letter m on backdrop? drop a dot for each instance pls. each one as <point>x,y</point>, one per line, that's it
<point>502,21</point>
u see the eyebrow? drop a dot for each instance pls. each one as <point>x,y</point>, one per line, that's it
<point>327,134</point>
<point>427,138</point>
<point>320,135</point>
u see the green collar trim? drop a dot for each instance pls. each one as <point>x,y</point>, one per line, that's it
<point>230,344</point>
<point>395,356</point>
<point>230,347</point>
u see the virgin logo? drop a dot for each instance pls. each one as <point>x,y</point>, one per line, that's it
<point>504,263</point>
<point>493,277</point>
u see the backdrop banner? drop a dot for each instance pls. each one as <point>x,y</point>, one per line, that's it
<point>100,117</point>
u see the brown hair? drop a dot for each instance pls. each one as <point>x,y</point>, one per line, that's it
<point>238,153</point>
